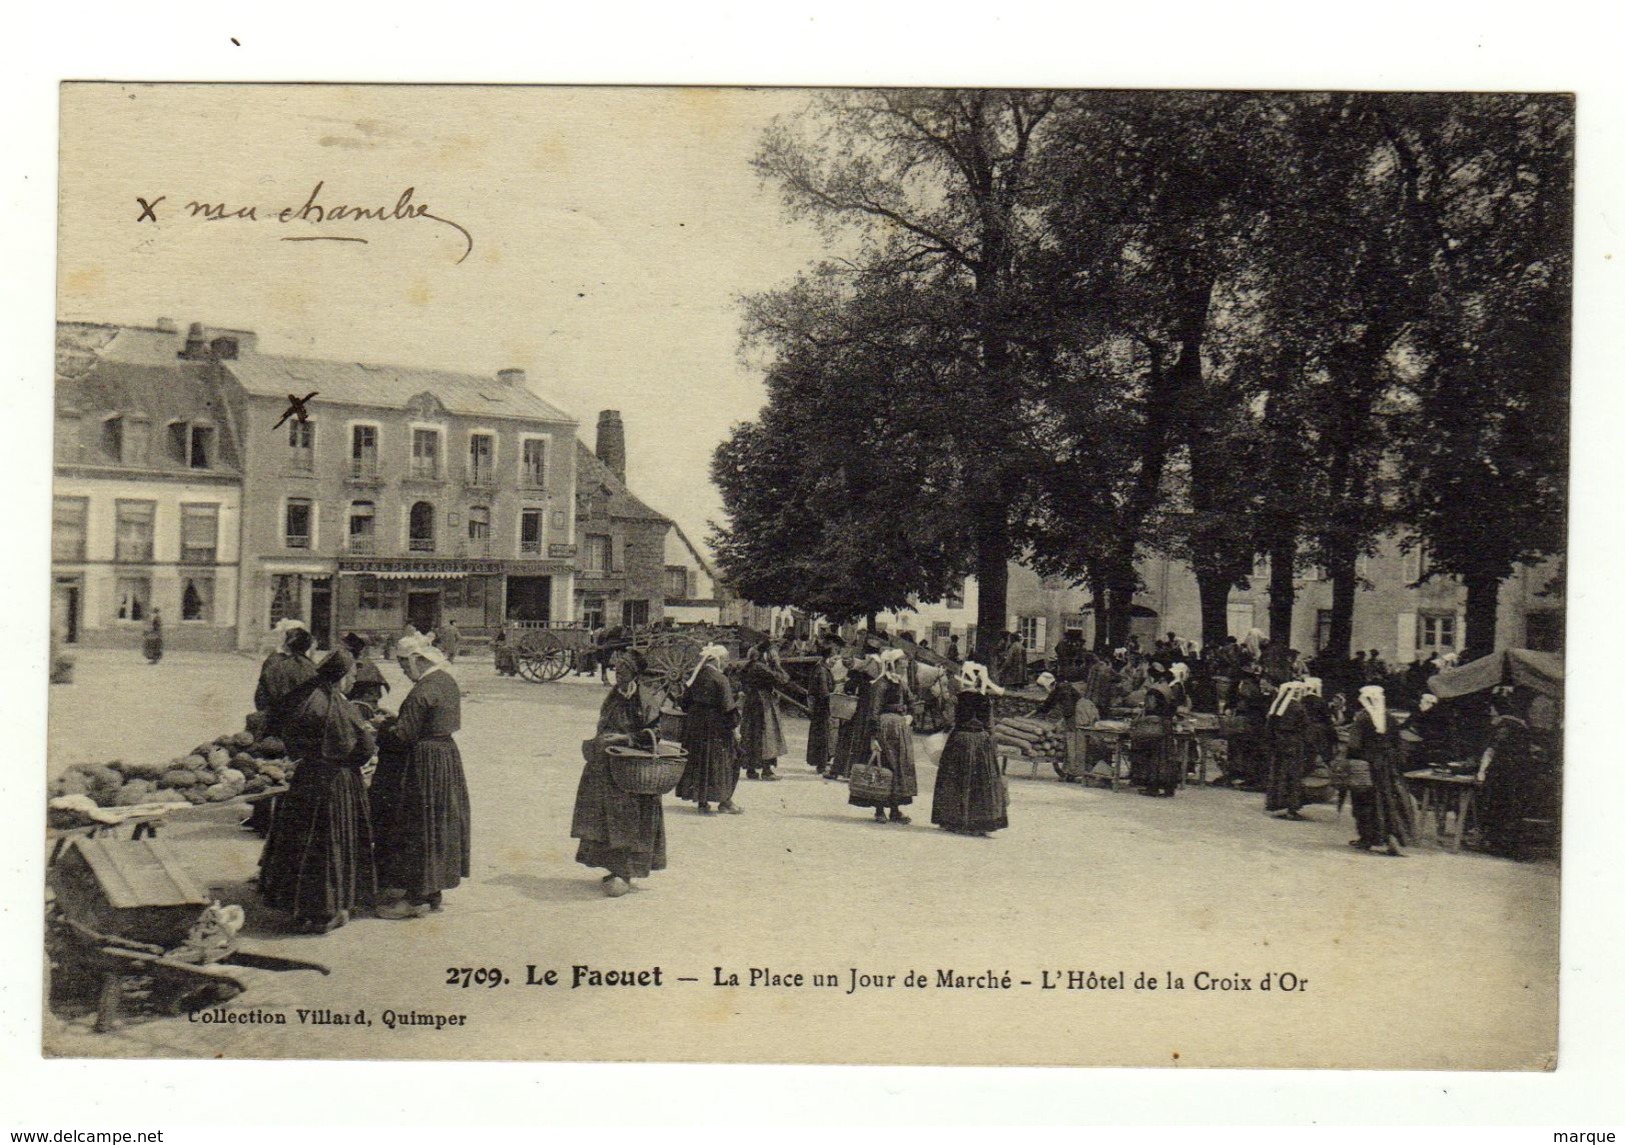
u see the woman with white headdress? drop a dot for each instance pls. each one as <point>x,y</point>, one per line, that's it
<point>1287,733</point>
<point>619,831</point>
<point>1382,810</point>
<point>856,734</point>
<point>893,703</point>
<point>420,805</point>
<point>761,729</point>
<point>710,718</point>
<point>970,797</point>
<point>282,672</point>
<point>1155,767</point>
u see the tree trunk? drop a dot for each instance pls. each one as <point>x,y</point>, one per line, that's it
<point>1098,591</point>
<point>872,624</point>
<point>992,579</point>
<point>1283,592</point>
<point>1339,640</point>
<point>1120,585</point>
<point>1213,589</point>
<point>1483,593</point>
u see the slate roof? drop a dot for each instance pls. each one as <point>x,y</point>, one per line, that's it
<point>391,387</point>
<point>592,474</point>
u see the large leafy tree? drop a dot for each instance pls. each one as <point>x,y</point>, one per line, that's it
<point>932,192</point>
<point>1484,435</point>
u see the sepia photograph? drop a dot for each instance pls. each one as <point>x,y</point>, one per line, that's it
<point>912,576</point>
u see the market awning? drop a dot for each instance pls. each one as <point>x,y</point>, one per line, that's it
<point>1541,671</point>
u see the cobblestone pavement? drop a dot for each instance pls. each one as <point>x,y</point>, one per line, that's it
<point>1434,960</point>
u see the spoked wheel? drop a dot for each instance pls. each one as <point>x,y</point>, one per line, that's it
<point>670,664</point>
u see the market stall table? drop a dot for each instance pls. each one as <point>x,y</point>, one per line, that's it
<point>1444,794</point>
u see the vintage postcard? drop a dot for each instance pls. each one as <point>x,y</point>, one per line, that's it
<point>1064,577</point>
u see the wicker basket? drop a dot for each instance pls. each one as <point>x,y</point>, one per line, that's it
<point>638,771</point>
<point>842,706</point>
<point>871,781</point>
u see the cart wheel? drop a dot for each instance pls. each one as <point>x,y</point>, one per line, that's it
<point>670,664</point>
<point>530,668</point>
<point>553,664</point>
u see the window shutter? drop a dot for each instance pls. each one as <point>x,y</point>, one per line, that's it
<point>1040,640</point>
<point>1405,642</point>
<point>617,553</point>
<point>1461,631</point>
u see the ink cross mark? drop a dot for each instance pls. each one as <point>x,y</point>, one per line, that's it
<point>147,208</point>
<point>296,409</point>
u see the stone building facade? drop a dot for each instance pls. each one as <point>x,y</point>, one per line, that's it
<point>147,493</point>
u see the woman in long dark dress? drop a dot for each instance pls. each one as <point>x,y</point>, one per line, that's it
<point>420,802</point>
<point>1244,733</point>
<point>857,733</point>
<point>761,728</point>
<point>970,797</point>
<point>710,718</point>
<point>1288,734</point>
<point>367,685</point>
<point>820,744</point>
<point>1153,764</point>
<point>894,737</point>
<point>318,862</point>
<point>281,673</point>
<point>1382,810</point>
<point>622,833</point>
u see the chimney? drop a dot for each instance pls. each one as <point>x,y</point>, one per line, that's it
<point>511,377</point>
<point>196,347</point>
<point>612,442</point>
<point>167,326</point>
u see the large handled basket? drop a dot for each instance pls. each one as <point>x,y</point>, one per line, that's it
<point>652,768</point>
<point>870,780</point>
<point>843,706</point>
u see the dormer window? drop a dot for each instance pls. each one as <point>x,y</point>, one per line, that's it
<point>201,455</point>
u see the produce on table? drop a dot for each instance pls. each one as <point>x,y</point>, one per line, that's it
<point>1034,739</point>
<point>239,763</point>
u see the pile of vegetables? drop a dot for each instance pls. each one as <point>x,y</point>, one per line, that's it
<point>1035,739</point>
<point>236,764</point>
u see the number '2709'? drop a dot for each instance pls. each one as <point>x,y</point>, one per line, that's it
<point>466,976</point>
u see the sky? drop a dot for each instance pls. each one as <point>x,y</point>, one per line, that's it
<point>613,231</point>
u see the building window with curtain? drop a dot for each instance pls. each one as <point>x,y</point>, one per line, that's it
<point>68,517</point>
<point>481,459</point>
<point>676,582</point>
<point>420,528</point>
<point>634,613</point>
<point>533,463</point>
<point>197,598</point>
<point>297,523</point>
<point>132,538</point>
<point>426,454</point>
<point>530,532</point>
<point>364,451</point>
<point>479,531</point>
<point>301,445</point>
<point>363,534</point>
<point>287,597</point>
<point>599,554</point>
<point>132,598</point>
<point>1030,629</point>
<point>200,532</point>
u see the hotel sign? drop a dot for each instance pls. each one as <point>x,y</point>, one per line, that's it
<point>381,566</point>
<point>561,552</point>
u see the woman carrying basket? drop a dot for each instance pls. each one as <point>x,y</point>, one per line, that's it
<point>893,743</point>
<point>622,833</point>
<point>970,796</point>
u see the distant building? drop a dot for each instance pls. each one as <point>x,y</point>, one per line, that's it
<point>693,592</point>
<point>408,495</point>
<point>147,492</point>
<point>1399,621</point>
<point>620,554</point>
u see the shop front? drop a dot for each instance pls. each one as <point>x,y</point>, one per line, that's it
<point>379,597</point>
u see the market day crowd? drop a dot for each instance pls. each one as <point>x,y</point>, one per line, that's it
<point>338,844</point>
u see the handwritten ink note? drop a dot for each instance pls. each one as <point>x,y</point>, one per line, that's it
<point>336,221</point>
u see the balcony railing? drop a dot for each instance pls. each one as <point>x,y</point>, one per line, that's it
<point>530,548</point>
<point>420,545</point>
<point>363,469</point>
<point>480,477</point>
<point>533,479</point>
<point>363,544</point>
<point>133,553</point>
<point>197,555</point>
<point>425,469</point>
<point>296,541</point>
<point>477,549</point>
